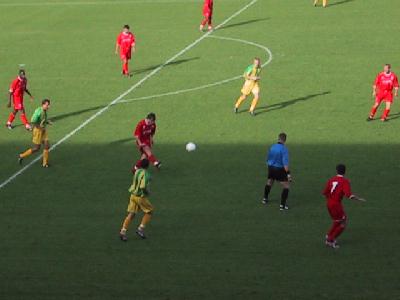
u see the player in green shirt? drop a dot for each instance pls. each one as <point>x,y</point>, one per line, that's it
<point>39,122</point>
<point>138,201</point>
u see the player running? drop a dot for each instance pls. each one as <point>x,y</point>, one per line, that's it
<point>138,201</point>
<point>383,87</point>
<point>207,13</point>
<point>144,134</point>
<point>278,169</point>
<point>335,189</point>
<point>17,90</point>
<point>39,135</point>
<point>126,44</point>
<point>251,85</point>
<point>324,3</point>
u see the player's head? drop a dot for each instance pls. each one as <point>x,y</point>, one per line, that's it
<point>282,137</point>
<point>46,104</point>
<point>341,169</point>
<point>151,118</point>
<point>386,68</point>
<point>125,28</point>
<point>257,61</point>
<point>21,73</point>
<point>144,163</point>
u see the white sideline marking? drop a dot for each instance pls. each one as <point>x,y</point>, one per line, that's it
<point>268,51</point>
<point>116,100</point>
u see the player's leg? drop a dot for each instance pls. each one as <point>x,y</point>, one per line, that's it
<point>209,21</point>
<point>148,209</point>
<point>24,120</point>
<point>46,148</point>
<point>324,3</point>
<point>315,2</point>
<point>204,21</point>
<point>386,111</point>
<point>125,66</point>
<point>11,118</point>
<point>256,93</point>
<point>133,208</point>
<point>284,195</point>
<point>28,152</point>
<point>150,156</point>
<point>374,108</point>
<point>267,189</point>
<point>239,102</point>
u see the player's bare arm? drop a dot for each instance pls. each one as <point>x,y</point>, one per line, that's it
<point>374,90</point>
<point>29,93</point>
<point>396,91</point>
<point>10,95</point>
<point>116,48</point>
<point>354,197</point>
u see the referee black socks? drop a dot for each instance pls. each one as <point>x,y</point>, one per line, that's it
<point>284,196</point>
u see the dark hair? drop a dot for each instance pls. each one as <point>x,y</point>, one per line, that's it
<point>44,101</point>
<point>21,71</point>
<point>144,164</point>
<point>282,136</point>
<point>388,65</point>
<point>341,169</point>
<point>126,26</point>
<point>151,116</point>
<point>257,58</point>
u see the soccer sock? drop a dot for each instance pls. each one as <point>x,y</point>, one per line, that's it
<point>284,196</point>
<point>253,104</point>
<point>152,159</point>
<point>24,119</point>
<point>239,101</point>
<point>138,164</point>
<point>145,220</point>
<point>331,237</point>
<point>373,112</point>
<point>203,22</point>
<point>324,3</point>
<point>267,189</point>
<point>209,22</point>
<point>385,114</point>
<point>11,118</point>
<point>45,157</point>
<point>338,231</point>
<point>126,223</point>
<point>26,153</point>
<point>125,68</point>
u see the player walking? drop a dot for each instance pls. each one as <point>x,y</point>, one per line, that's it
<point>39,135</point>
<point>251,85</point>
<point>383,87</point>
<point>17,90</point>
<point>144,134</point>
<point>138,201</point>
<point>337,187</point>
<point>278,169</point>
<point>126,44</point>
<point>324,3</point>
<point>207,13</point>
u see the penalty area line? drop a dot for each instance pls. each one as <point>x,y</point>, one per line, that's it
<point>120,97</point>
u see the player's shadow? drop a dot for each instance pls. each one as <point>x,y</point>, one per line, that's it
<point>394,116</point>
<point>75,113</point>
<point>340,2</point>
<point>173,63</point>
<point>282,105</point>
<point>123,141</point>
<point>244,23</point>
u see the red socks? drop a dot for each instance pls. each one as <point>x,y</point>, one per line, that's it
<point>24,119</point>
<point>152,159</point>
<point>125,69</point>
<point>336,229</point>
<point>385,114</point>
<point>11,118</point>
<point>204,22</point>
<point>373,111</point>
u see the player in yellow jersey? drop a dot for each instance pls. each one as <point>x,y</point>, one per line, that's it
<point>324,3</point>
<point>39,122</point>
<point>138,201</point>
<point>251,85</point>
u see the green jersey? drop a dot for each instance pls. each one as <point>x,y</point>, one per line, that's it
<point>39,117</point>
<point>140,184</point>
<point>252,70</point>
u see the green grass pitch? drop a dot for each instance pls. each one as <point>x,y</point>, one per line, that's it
<point>210,238</point>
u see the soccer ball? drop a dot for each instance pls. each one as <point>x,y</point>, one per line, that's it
<point>190,147</point>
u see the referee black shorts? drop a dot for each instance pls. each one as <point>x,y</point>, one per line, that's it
<point>278,174</point>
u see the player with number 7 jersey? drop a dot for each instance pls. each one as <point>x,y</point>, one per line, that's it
<point>336,188</point>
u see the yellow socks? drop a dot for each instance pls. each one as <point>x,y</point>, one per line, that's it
<point>26,153</point>
<point>126,223</point>
<point>45,157</point>
<point>239,102</point>
<point>253,104</point>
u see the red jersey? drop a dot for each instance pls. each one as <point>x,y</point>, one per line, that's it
<point>126,41</point>
<point>144,132</point>
<point>386,82</point>
<point>336,188</point>
<point>18,87</point>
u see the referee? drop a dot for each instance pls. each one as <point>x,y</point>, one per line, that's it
<point>278,169</point>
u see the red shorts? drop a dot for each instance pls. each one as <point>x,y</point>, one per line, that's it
<point>336,211</point>
<point>140,148</point>
<point>125,55</point>
<point>207,13</point>
<point>384,96</point>
<point>18,103</point>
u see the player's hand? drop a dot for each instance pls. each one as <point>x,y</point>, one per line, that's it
<point>290,178</point>
<point>362,199</point>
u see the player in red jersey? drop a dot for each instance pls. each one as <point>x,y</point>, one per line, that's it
<point>144,134</point>
<point>383,87</point>
<point>207,13</point>
<point>126,44</point>
<point>17,90</point>
<point>337,187</point>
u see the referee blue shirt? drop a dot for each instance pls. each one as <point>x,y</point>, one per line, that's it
<point>278,156</point>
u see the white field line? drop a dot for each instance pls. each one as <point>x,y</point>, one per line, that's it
<point>132,88</point>
<point>268,51</point>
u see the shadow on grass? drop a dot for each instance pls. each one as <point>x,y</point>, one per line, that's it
<point>173,63</point>
<point>244,23</point>
<point>75,113</point>
<point>340,2</point>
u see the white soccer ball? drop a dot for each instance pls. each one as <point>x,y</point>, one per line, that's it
<point>190,147</point>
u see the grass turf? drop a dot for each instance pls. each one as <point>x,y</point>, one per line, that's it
<point>210,237</point>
